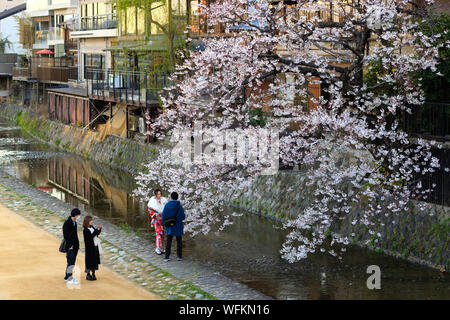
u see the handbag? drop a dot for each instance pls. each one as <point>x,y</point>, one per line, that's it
<point>170,222</point>
<point>63,246</point>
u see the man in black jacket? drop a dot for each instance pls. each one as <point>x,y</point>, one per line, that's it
<point>72,243</point>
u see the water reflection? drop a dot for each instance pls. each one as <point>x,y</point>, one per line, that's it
<point>248,251</point>
<point>75,181</point>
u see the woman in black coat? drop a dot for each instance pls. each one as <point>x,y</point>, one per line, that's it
<point>93,247</point>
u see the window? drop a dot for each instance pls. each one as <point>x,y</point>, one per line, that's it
<point>93,62</point>
<point>93,9</point>
<point>198,20</point>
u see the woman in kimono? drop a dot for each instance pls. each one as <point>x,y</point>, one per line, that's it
<point>155,208</point>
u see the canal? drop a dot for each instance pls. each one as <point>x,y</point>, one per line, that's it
<point>247,251</point>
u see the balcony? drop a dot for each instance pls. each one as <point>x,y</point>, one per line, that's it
<point>51,69</point>
<point>53,74</point>
<point>96,26</point>
<point>8,58</point>
<point>21,73</point>
<point>6,69</point>
<point>40,39</point>
<point>132,88</point>
<point>7,62</point>
<point>45,69</point>
<point>55,35</point>
<point>105,21</point>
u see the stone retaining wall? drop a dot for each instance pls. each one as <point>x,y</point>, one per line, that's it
<point>418,236</point>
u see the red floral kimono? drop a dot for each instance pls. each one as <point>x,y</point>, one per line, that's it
<point>155,208</point>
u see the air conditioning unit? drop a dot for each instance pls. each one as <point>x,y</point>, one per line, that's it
<point>142,127</point>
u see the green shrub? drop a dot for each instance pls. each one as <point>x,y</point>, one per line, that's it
<point>257,117</point>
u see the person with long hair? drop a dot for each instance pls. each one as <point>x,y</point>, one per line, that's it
<point>93,247</point>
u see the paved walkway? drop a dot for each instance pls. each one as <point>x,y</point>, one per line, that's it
<point>32,268</point>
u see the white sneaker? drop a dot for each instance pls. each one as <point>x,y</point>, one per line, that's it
<point>73,281</point>
<point>158,251</point>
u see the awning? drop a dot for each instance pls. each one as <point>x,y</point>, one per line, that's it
<point>45,51</point>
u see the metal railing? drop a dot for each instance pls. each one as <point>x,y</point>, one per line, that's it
<point>438,181</point>
<point>135,88</point>
<point>104,21</point>
<point>93,73</point>
<point>40,36</point>
<point>430,120</point>
<point>55,33</point>
<point>70,44</point>
<point>8,58</point>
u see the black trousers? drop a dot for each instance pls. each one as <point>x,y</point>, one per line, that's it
<point>71,257</point>
<point>169,246</point>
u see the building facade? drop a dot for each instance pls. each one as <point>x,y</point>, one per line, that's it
<point>44,34</point>
<point>110,58</point>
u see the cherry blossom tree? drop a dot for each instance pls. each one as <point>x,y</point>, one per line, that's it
<point>348,141</point>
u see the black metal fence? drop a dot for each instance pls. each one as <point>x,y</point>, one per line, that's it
<point>432,121</point>
<point>93,73</point>
<point>70,44</point>
<point>438,181</point>
<point>429,120</point>
<point>134,88</point>
<point>106,21</point>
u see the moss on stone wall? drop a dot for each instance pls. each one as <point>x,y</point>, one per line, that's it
<point>117,152</point>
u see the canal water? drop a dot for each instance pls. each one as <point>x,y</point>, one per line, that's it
<point>247,251</point>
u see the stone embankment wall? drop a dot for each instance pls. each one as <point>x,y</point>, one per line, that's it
<point>116,151</point>
<point>418,236</point>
